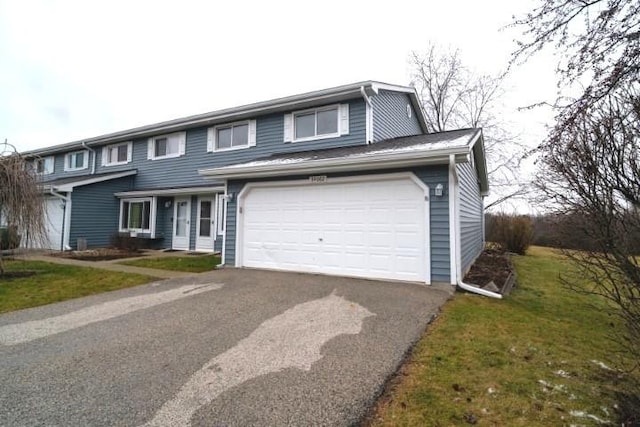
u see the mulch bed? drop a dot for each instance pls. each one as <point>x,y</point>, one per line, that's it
<point>17,274</point>
<point>101,254</point>
<point>491,265</point>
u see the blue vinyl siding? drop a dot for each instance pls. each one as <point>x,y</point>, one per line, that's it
<point>471,212</point>
<point>183,171</point>
<point>390,118</point>
<point>95,211</point>
<point>433,175</point>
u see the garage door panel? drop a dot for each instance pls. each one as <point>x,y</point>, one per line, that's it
<point>366,229</point>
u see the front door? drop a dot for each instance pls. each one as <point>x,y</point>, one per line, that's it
<point>181,216</point>
<point>205,231</point>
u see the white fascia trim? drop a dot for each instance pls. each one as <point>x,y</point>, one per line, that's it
<point>69,187</point>
<point>171,191</point>
<point>453,228</point>
<point>376,86</point>
<point>335,94</point>
<point>337,165</point>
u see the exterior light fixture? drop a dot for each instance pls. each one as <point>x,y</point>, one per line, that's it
<point>439,189</point>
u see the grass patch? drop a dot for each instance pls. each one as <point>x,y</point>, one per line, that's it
<point>189,263</point>
<point>528,360</point>
<point>56,282</point>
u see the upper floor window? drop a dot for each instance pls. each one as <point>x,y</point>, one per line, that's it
<point>76,160</point>
<point>116,154</point>
<point>232,136</point>
<point>318,123</point>
<point>44,165</point>
<point>165,146</point>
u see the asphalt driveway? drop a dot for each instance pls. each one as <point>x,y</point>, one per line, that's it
<point>226,348</point>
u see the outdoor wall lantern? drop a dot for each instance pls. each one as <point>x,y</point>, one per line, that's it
<point>167,204</point>
<point>439,188</point>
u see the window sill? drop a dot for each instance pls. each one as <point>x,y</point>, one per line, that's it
<point>222,150</point>
<point>117,164</point>
<point>74,169</point>
<point>316,138</point>
<point>168,156</point>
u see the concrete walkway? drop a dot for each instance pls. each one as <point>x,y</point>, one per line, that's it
<point>111,265</point>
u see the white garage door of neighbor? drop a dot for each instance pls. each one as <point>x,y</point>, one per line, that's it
<point>371,229</point>
<point>54,216</point>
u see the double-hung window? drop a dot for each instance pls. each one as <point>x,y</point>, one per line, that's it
<point>116,154</point>
<point>136,215</point>
<point>232,136</point>
<point>318,123</point>
<point>76,161</point>
<point>44,166</point>
<point>166,146</point>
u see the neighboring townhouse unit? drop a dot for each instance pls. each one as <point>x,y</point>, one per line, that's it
<point>343,181</point>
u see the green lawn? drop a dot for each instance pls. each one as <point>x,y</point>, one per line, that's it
<point>532,359</point>
<point>188,263</point>
<point>56,282</point>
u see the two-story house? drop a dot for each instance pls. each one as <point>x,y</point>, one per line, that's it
<point>343,181</point>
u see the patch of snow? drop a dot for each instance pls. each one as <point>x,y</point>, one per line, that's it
<point>491,390</point>
<point>563,374</point>
<point>583,414</point>
<point>602,365</point>
<point>548,386</point>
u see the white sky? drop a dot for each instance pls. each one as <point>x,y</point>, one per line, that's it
<point>76,69</point>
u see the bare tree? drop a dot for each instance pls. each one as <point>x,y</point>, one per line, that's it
<point>592,178</point>
<point>598,43</point>
<point>453,97</point>
<point>21,198</point>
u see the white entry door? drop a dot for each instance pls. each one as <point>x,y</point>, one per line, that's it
<point>181,223</point>
<point>205,228</point>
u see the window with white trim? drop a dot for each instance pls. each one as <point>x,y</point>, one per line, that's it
<point>232,136</point>
<point>116,154</point>
<point>318,123</point>
<point>166,146</point>
<point>136,215</point>
<point>44,165</point>
<point>76,161</point>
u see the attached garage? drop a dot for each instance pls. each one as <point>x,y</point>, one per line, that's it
<point>374,226</point>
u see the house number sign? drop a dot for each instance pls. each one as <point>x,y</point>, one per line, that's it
<point>318,179</point>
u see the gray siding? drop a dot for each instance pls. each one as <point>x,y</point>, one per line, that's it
<point>163,222</point>
<point>390,118</point>
<point>183,171</point>
<point>471,213</point>
<point>95,211</point>
<point>440,267</point>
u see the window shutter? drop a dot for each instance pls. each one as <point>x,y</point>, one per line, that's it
<point>252,133</point>
<point>105,153</point>
<point>85,159</point>
<point>182,143</point>
<point>288,127</point>
<point>150,149</point>
<point>211,139</point>
<point>344,119</point>
<point>129,151</point>
<point>67,159</point>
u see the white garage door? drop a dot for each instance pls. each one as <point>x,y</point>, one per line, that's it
<point>54,216</point>
<point>373,229</point>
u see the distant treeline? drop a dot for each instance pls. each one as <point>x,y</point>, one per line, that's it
<point>569,231</point>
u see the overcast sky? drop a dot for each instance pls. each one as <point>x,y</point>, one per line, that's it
<point>76,69</point>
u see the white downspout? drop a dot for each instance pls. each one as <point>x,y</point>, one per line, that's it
<point>93,163</point>
<point>456,250</point>
<point>368,115</point>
